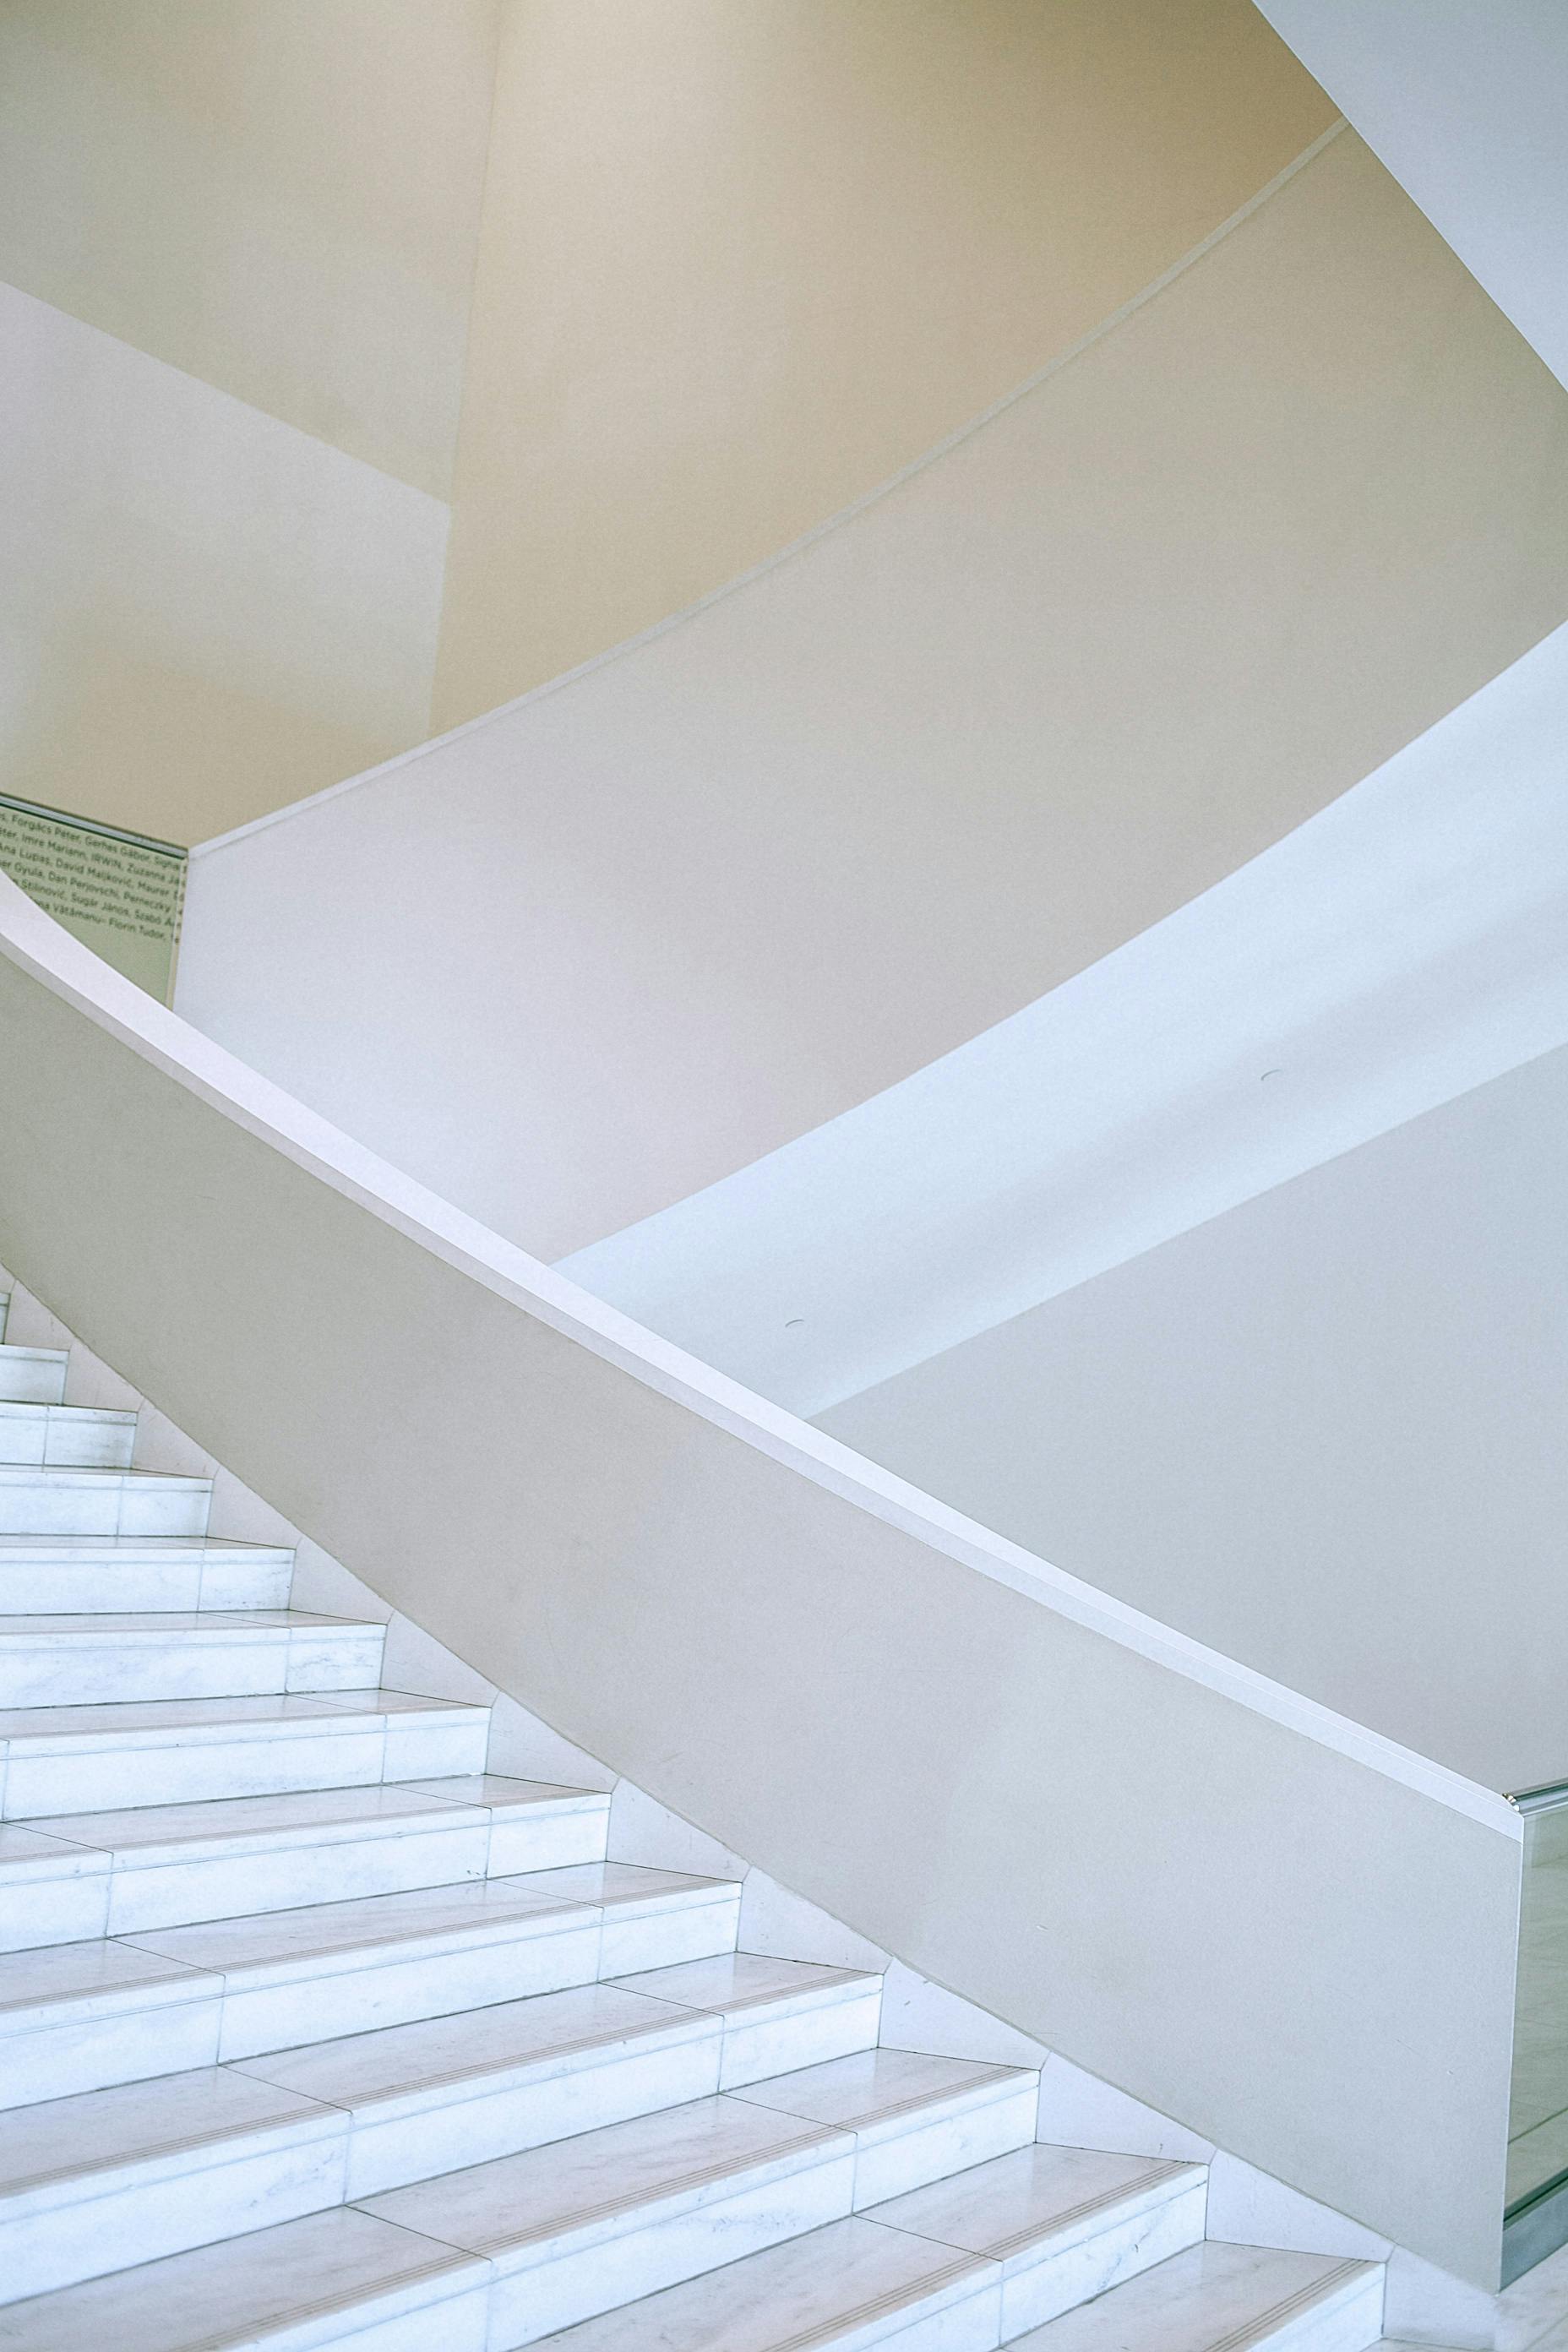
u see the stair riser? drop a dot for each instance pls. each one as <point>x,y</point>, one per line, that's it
<point>103,1775</point>
<point>1036,2289</point>
<point>58,2232</point>
<point>39,1671</point>
<point>895,2157</point>
<point>66,1907</point>
<point>32,1378</point>
<point>55,2060</point>
<point>41,1508</point>
<point>837,2029</point>
<point>121,1588</point>
<point>185,1889</point>
<point>693,1931</point>
<point>380,1990</point>
<point>49,1437</point>
<point>445,2131</point>
<point>596,2269</point>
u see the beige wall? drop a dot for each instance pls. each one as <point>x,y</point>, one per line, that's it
<point>742,260</point>
<point>279,196</point>
<point>236,243</point>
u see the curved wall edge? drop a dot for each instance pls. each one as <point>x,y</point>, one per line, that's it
<point>632,1545</point>
<point>1397,950</point>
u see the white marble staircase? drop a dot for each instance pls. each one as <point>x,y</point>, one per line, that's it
<point>313,2032</point>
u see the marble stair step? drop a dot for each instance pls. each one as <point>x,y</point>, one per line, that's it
<point>77,1660</point>
<point>52,1576</point>
<point>293,1978</point>
<point>33,1375</point>
<point>778,2015</point>
<point>1063,2223</point>
<point>591,2222</point>
<point>62,1436</point>
<point>97,2182</point>
<point>78,2017</point>
<point>284,2289</point>
<point>106,2179</point>
<point>1222,2298</point>
<point>598,2220</point>
<point>968,2112</point>
<point>36,1500</point>
<point>843,2288</point>
<point>116,1873</point>
<point>73,1759</point>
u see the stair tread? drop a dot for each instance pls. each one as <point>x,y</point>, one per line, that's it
<point>76,1474</point>
<point>1213,2296</point>
<point>404,2061</point>
<point>96,2131</point>
<point>621,1886</point>
<point>231,2292</point>
<point>89,1974</point>
<point>876,2085</point>
<point>32,1405</point>
<point>1011,2203</point>
<point>13,1348</point>
<point>125,1718</point>
<point>49,1547</point>
<point>789,2298</point>
<point>301,1812</point>
<point>736,1981</point>
<point>273,1938</point>
<point>518,2201</point>
<point>152,1624</point>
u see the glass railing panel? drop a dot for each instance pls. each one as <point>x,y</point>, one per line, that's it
<point>1537,2210</point>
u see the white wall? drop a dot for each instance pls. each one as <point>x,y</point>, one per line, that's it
<point>587,956</point>
<point>1106,1837</point>
<point>1323,1432</point>
<point>1465,102</point>
<point>1400,947</point>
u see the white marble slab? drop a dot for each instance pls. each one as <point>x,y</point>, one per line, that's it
<point>653,1919</point>
<point>81,1759</point>
<point>63,1435</point>
<point>1064,2223</point>
<point>598,2220</point>
<point>294,1977</point>
<point>778,2015</point>
<point>1217,2294</point>
<point>534,1824</point>
<point>452,2091</point>
<point>64,1660</point>
<point>296,2288</point>
<point>915,2118</point>
<point>67,1502</point>
<point>33,1375</point>
<point>95,2183</point>
<point>51,1891</point>
<point>840,2289</point>
<point>84,1575</point>
<point>175,1865</point>
<point>76,2017</point>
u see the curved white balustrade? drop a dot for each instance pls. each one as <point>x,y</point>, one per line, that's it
<point>1400,948</point>
<point>1246,1911</point>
